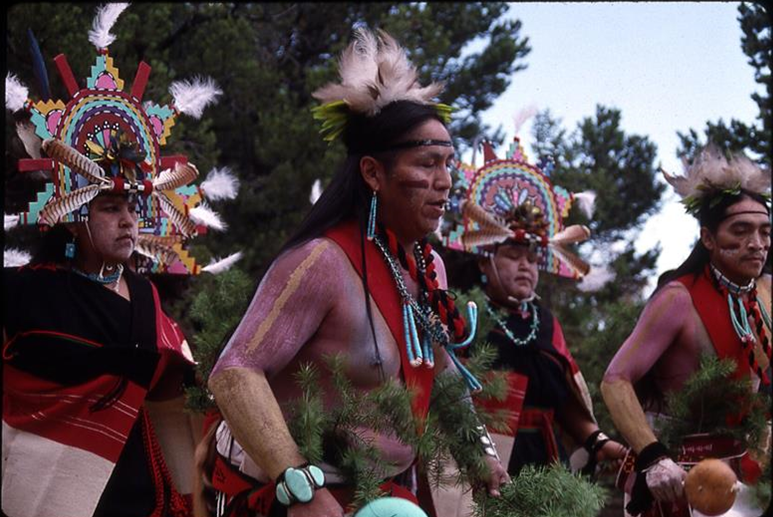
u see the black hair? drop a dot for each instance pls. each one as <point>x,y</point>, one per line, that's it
<point>709,217</point>
<point>348,195</point>
<point>51,246</point>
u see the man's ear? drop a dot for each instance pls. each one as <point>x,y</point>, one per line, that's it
<point>707,239</point>
<point>372,172</point>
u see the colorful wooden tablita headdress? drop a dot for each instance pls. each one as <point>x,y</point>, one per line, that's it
<point>712,176</point>
<point>513,200</point>
<point>104,138</point>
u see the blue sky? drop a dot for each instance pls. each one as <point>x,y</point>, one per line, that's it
<point>667,66</point>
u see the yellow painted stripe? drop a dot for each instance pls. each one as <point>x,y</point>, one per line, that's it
<point>292,285</point>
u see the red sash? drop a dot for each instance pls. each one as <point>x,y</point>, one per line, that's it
<point>382,289</point>
<point>715,315</point>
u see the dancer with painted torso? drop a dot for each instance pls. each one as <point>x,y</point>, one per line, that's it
<point>717,302</point>
<point>93,369</point>
<point>511,216</point>
<point>358,279</point>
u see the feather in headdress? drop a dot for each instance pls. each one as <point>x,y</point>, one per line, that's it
<point>375,71</point>
<point>13,257</point>
<point>596,279</point>
<point>191,97</point>
<point>316,191</point>
<point>203,214</point>
<point>31,141</point>
<point>220,184</point>
<point>712,174</point>
<point>39,67</point>
<point>490,229</point>
<point>216,266</point>
<point>16,93</point>
<point>107,15</point>
<point>586,201</point>
<point>157,247</point>
<point>570,259</point>
<point>571,234</point>
<point>170,179</point>
<point>79,163</point>
<point>183,224</point>
<point>10,221</point>
<point>54,210</point>
<point>522,116</point>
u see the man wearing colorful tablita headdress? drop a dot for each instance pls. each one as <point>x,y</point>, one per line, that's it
<point>717,303</point>
<point>92,366</point>
<point>510,215</point>
<point>358,279</point>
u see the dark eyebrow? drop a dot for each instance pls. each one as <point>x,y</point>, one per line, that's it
<point>429,153</point>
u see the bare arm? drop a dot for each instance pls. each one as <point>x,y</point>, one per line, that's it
<point>255,419</point>
<point>657,329</point>
<point>286,311</point>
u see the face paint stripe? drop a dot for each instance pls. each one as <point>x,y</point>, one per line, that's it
<point>292,285</point>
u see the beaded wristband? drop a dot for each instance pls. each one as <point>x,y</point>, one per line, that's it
<point>298,484</point>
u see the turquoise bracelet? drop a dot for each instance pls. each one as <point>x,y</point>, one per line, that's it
<point>298,484</point>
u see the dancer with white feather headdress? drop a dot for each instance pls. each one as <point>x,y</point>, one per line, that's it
<point>716,303</point>
<point>93,423</point>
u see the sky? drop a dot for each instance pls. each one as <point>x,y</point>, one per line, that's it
<point>667,66</point>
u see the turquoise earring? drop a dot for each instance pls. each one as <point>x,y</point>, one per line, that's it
<point>372,217</point>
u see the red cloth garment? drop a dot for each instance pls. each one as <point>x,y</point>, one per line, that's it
<point>77,367</point>
<point>715,315</point>
<point>384,292</point>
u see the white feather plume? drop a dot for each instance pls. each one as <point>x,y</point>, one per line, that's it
<point>221,183</point>
<point>216,265</point>
<point>10,221</point>
<point>596,279</point>
<point>16,94</point>
<point>316,191</point>
<point>191,97</point>
<point>15,258</point>
<point>203,214</point>
<point>523,115</point>
<point>107,15</point>
<point>375,71</point>
<point>586,201</point>
<point>711,170</point>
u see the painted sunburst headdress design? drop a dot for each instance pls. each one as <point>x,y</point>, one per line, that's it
<point>104,138</point>
<point>712,175</point>
<point>375,71</point>
<point>511,199</point>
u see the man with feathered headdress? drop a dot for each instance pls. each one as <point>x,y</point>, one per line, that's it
<point>357,279</point>
<point>718,303</point>
<point>93,369</point>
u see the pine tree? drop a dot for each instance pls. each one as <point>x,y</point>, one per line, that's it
<point>738,136</point>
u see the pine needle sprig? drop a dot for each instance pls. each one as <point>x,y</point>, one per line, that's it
<point>709,400</point>
<point>544,491</point>
<point>215,312</point>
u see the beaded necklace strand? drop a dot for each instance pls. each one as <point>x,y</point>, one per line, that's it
<point>440,321</point>
<point>739,317</point>
<point>113,278</point>
<point>525,306</point>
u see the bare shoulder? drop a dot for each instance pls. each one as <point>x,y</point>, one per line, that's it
<point>673,299</point>
<point>313,254</point>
